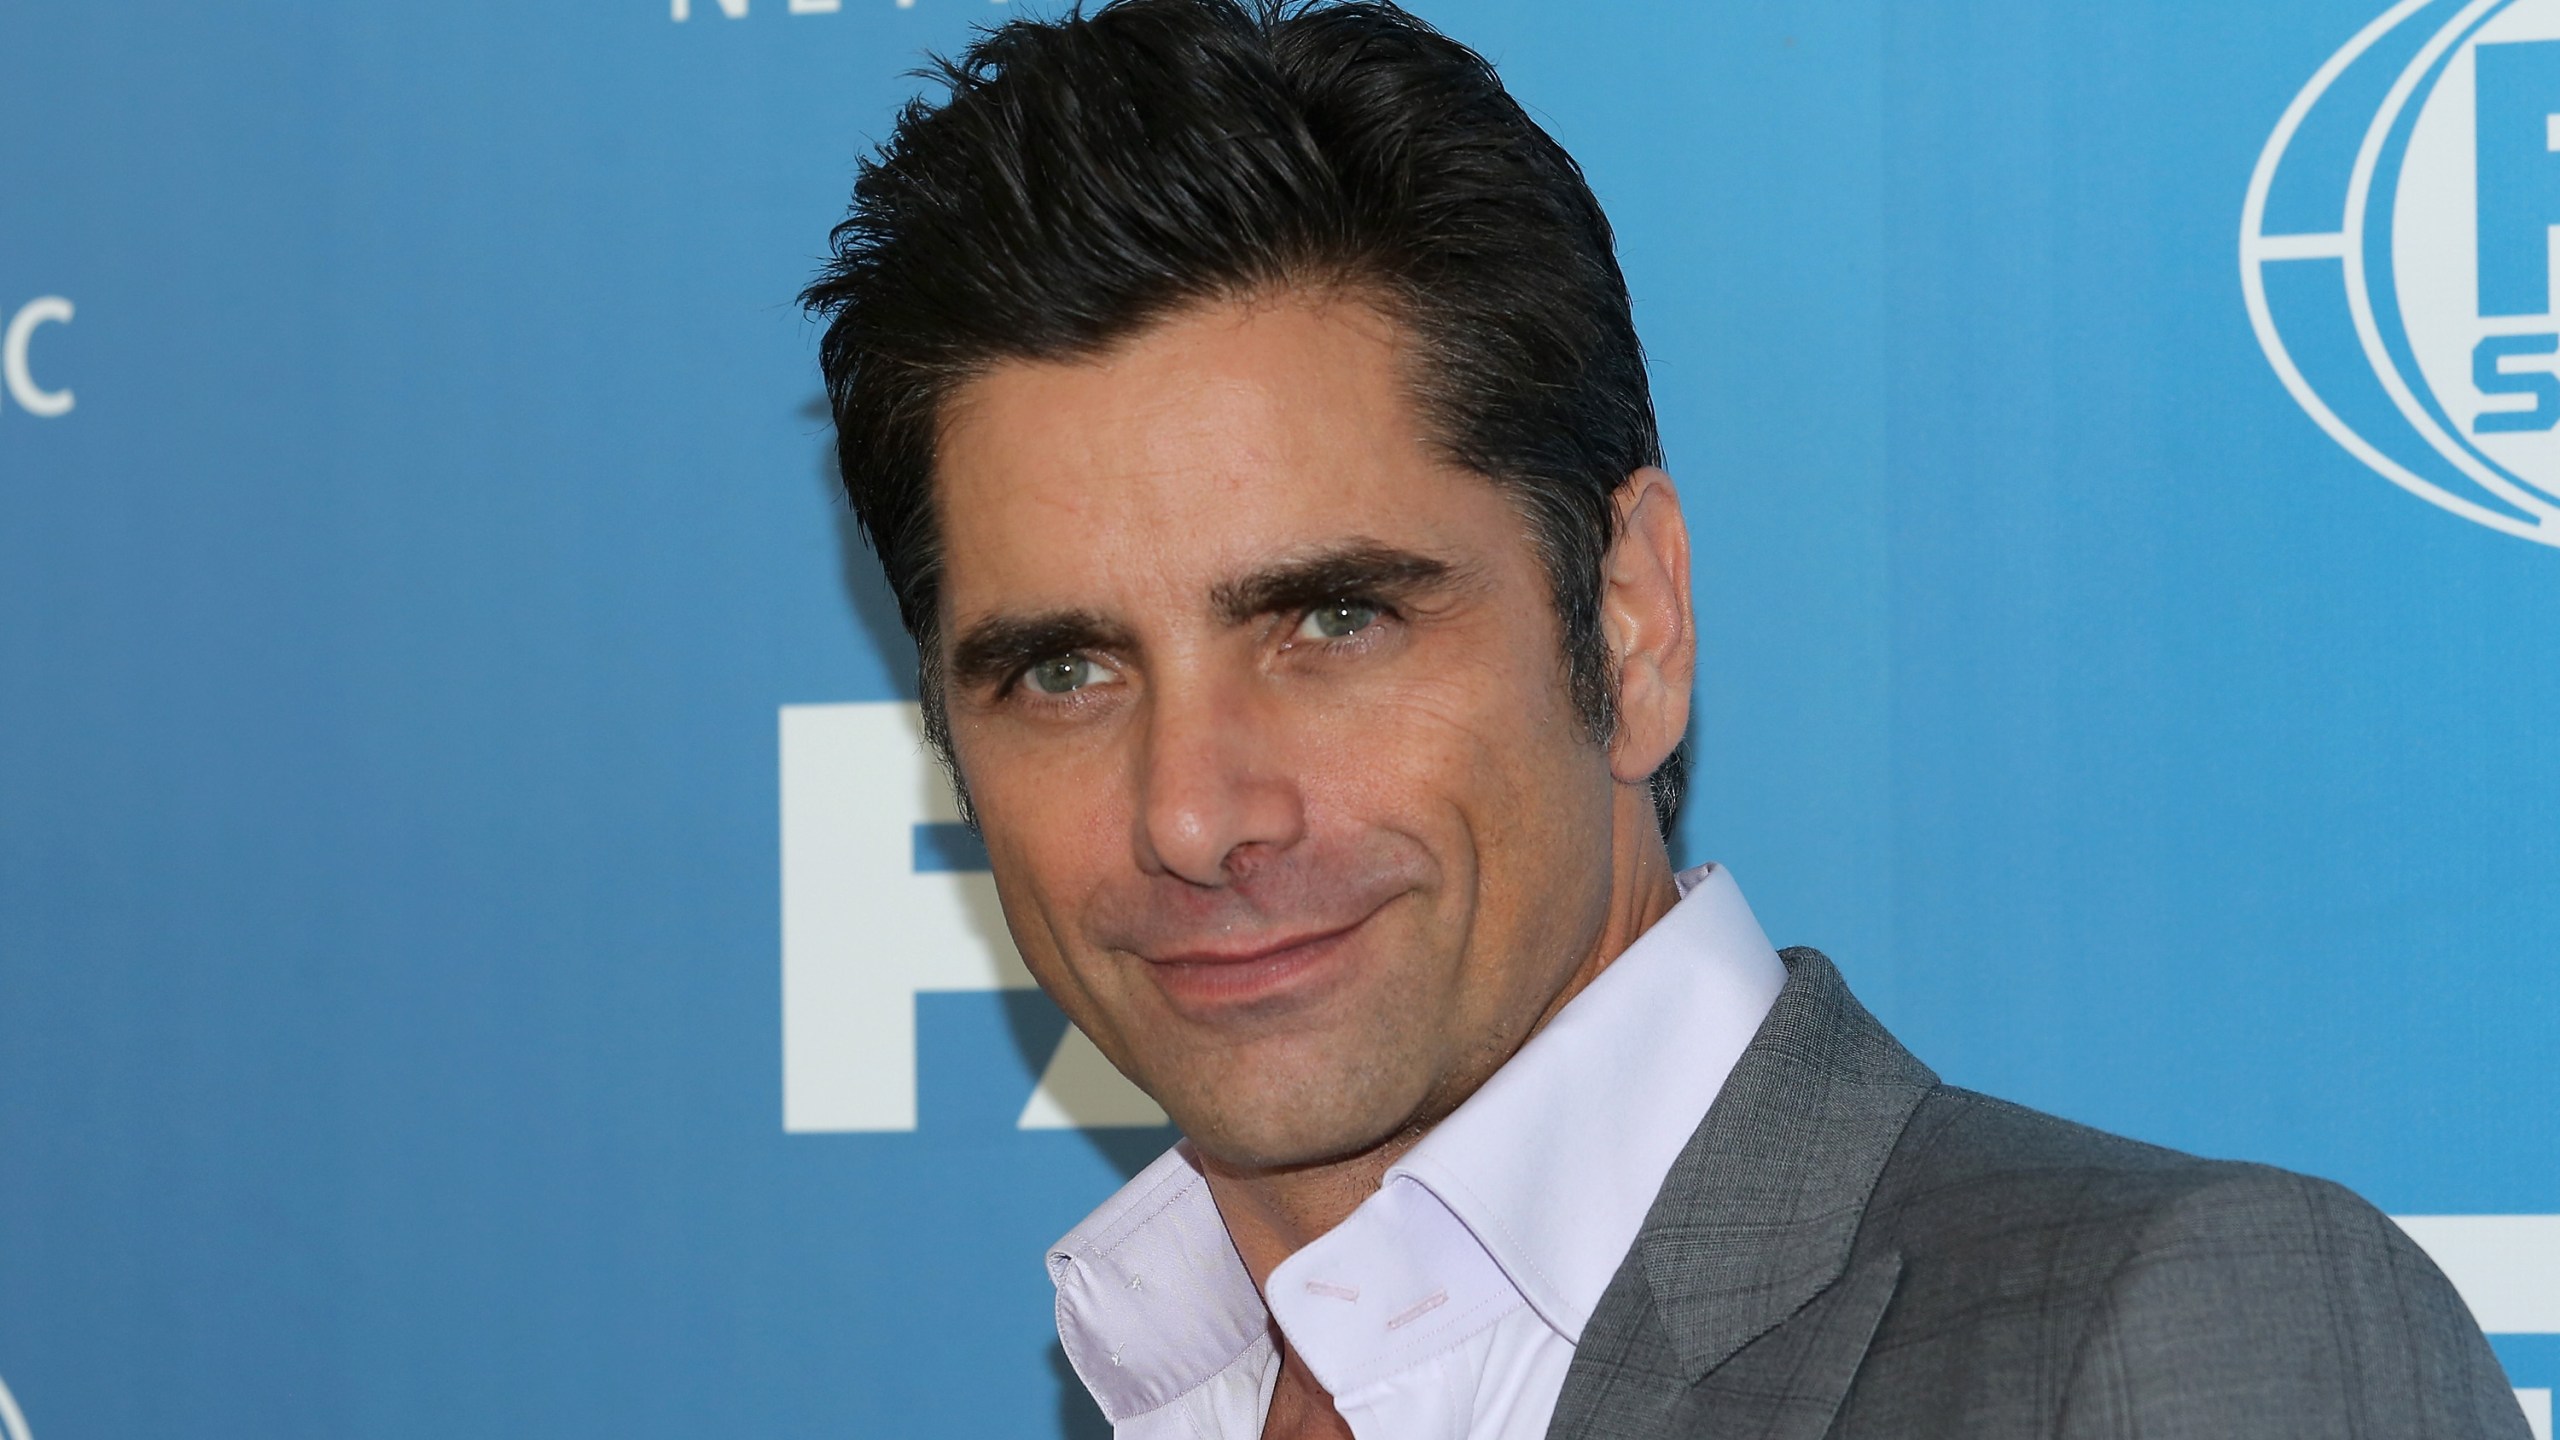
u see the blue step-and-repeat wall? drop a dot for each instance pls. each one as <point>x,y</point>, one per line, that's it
<point>481,953</point>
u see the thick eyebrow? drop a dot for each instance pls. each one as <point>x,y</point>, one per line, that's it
<point>1362,569</point>
<point>995,649</point>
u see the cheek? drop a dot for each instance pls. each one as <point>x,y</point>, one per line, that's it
<point>1483,758</point>
<point>1043,789</point>
<point>1048,820</point>
<point>1476,723</point>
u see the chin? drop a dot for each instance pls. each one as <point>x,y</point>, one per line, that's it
<point>1313,1123</point>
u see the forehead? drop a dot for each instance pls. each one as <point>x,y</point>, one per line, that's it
<point>1194,451</point>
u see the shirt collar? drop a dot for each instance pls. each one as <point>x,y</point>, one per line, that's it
<point>1153,1301</point>
<point>1556,1160</point>
<point>1154,1304</point>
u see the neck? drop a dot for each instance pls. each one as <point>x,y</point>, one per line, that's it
<point>1273,1212</point>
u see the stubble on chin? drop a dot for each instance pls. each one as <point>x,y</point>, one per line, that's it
<point>1356,1072</point>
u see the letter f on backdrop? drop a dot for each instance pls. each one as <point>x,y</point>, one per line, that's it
<point>2519,174</point>
<point>878,906</point>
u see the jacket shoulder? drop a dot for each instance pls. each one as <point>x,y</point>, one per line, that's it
<point>2269,1303</point>
<point>2057,1279</point>
<point>1973,1171</point>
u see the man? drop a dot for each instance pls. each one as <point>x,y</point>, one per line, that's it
<point>1246,408</point>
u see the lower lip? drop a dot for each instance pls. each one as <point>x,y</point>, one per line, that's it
<point>1217,985</point>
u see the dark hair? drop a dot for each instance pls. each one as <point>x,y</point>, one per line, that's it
<point>1088,176</point>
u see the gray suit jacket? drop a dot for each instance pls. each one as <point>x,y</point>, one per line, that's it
<point>1849,1248</point>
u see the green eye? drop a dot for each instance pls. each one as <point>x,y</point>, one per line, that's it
<point>1338,620</point>
<point>1063,674</point>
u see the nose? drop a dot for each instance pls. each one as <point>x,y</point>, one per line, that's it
<point>1214,792</point>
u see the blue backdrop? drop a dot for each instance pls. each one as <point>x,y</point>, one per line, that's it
<point>2132,650</point>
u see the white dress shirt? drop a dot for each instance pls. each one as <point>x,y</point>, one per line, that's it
<point>1447,1306</point>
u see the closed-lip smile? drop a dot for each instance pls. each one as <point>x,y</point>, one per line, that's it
<point>1216,979</point>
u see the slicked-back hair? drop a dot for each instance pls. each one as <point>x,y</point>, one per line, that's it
<point>1087,177</point>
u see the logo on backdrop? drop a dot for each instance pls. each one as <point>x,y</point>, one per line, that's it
<point>886,896</point>
<point>13,1422</point>
<point>2396,254</point>
<point>18,380</point>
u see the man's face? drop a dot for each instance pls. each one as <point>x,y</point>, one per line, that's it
<point>1261,704</point>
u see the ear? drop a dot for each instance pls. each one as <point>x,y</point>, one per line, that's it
<point>1644,613</point>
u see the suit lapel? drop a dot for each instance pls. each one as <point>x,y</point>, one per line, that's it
<point>1753,1229</point>
<point>1789,1382</point>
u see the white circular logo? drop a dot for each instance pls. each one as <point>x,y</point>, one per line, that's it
<point>2396,253</point>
